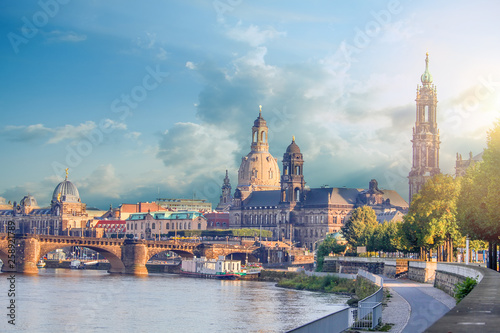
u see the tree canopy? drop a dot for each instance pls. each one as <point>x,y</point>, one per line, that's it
<point>360,227</point>
<point>431,219</point>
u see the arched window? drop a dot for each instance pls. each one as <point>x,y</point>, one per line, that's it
<point>297,194</point>
<point>297,170</point>
<point>168,226</point>
<point>263,136</point>
<point>199,226</point>
<point>154,226</point>
<point>254,137</point>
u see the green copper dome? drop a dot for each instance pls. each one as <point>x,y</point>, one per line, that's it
<point>426,78</point>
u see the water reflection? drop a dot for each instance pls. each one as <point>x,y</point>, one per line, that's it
<point>62,300</point>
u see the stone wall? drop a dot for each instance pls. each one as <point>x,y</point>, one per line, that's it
<point>350,265</point>
<point>390,268</point>
<point>424,272</point>
<point>448,275</point>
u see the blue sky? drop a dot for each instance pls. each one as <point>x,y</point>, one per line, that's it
<point>157,98</point>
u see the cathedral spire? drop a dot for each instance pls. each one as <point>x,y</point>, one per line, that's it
<point>426,78</point>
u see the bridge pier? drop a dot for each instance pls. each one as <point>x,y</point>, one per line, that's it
<point>134,257</point>
<point>27,254</point>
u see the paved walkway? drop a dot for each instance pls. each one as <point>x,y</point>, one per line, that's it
<point>414,306</point>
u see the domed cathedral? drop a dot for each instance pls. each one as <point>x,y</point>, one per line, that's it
<point>67,204</point>
<point>66,215</point>
<point>293,212</point>
<point>425,134</point>
<point>259,170</point>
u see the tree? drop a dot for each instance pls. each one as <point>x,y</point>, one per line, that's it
<point>329,245</point>
<point>478,212</point>
<point>359,228</point>
<point>387,237</point>
<point>431,221</point>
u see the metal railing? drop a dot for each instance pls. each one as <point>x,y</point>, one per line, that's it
<point>369,311</point>
<point>334,323</point>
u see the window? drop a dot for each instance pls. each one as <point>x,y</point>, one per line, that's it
<point>168,226</point>
<point>199,226</point>
<point>154,226</point>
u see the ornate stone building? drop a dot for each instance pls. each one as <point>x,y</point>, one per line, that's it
<point>226,196</point>
<point>288,208</point>
<point>425,134</point>
<point>66,215</point>
<point>461,165</point>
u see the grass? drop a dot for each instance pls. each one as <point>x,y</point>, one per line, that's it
<point>328,284</point>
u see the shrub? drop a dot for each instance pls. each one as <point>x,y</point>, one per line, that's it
<point>463,289</point>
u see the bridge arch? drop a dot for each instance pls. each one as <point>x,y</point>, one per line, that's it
<point>242,256</point>
<point>112,255</point>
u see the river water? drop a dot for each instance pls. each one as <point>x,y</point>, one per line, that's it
<point>63,300</point>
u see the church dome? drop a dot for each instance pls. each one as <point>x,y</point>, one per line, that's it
<point>293,148</point>
<point>29,201</point>
<point>259,170</point>
<point>66,191</point>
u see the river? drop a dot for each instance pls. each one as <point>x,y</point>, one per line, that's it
<point>63,300</point>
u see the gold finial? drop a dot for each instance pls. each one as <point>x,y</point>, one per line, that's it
<point>260,110</point>
<point>67,173</point>
<point>293,138</point>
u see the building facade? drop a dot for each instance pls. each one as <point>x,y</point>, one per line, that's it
<point>461,165</point>
<point>425,135</point>
<point>292,211</point>
<point>153,224</point>
<point>66,215</point>
<point>200,205</point>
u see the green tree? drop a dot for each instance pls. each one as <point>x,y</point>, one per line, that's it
<point>431,220</point>
<point>329,245</point>
<point>387,237</point>
<point>360,227</point>
<point>478,212</point>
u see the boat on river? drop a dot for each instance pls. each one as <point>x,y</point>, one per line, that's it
<point>220,269</point>
<point>41,264</point>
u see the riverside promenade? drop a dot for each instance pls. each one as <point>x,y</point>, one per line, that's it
<point>414,306</point>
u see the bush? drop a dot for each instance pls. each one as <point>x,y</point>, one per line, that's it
<point>463,289</point>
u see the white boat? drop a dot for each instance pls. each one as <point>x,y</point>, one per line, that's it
<point>41,264</point>
<point>75,264</point>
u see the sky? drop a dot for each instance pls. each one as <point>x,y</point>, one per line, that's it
<point>152,99</point>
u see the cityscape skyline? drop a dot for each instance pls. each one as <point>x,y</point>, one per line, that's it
<point>158,100</point>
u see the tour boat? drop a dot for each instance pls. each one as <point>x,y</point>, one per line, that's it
<point>220,269</point>
<point>41,264</point>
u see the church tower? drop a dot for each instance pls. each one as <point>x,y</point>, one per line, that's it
<point>292,179</point>
<point>258,170</point>
<point>425,134</point>
<point>225,198</point>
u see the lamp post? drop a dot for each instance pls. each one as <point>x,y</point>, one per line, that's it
<point>467,249</point>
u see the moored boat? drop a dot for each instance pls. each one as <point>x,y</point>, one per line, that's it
<point>41,264</point>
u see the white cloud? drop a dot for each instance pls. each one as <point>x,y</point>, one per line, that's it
<point>102,182</point>
<point>192,152</point>
<point>65,36</point>
<point>253,35</point>
<point>67,132</point>
<point>190,65</point>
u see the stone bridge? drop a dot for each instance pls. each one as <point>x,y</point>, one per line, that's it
<point>125,256</point>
